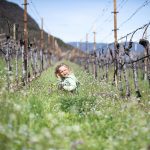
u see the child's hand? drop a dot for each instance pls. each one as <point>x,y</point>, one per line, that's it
<point>57,75</point>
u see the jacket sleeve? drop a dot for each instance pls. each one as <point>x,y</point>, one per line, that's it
<point>69,84</point>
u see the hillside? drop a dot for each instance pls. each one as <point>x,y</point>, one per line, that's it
<point>11,13</point>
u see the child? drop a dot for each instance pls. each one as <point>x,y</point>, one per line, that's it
<point>67,80</point>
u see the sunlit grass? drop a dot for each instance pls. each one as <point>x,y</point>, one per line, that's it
<point>96,118</point>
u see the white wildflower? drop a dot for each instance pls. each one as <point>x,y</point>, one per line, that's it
<point>49,116</point>
<point>98,113</point>
<point>76,128</point>
<point>46,133</point>
<point>12,117</point>
<point>17,107</point>
<point>31,116</point>
<point>23,130</point>
<point>2,129</point>
<point>59,131</point>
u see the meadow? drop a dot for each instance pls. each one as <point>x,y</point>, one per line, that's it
<point>40,117</point>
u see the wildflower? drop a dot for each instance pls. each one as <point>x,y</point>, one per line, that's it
<point>12,117</point>
<point>46,133</point>
<point>17,107</point>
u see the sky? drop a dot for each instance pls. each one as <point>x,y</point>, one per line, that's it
<point>71,20</point>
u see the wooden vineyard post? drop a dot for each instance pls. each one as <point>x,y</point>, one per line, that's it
<point>8,62</point>
<point>115,44</point>
<point>95,57</point>
<point>126,79</point>
<point>136,80</point>
<point>25,51</point>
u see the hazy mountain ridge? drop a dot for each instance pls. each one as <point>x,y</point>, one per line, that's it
<point>11,13</point>
<point>136,46</point>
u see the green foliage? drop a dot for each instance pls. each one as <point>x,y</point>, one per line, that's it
<point>77,104</point>
<point>96,118</point>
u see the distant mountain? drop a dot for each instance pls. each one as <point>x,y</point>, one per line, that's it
<point>82,45</point>
<point>135,47</point>
<point>11,13</point>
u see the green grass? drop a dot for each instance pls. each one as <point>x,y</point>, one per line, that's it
<point>39,117</point>
<point>2,73</point>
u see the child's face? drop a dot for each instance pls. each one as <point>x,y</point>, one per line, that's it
<point>63,71</point>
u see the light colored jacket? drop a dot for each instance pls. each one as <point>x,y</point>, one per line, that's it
<point>69,83</point>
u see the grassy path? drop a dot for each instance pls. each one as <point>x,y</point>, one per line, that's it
<point>39,117</point>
